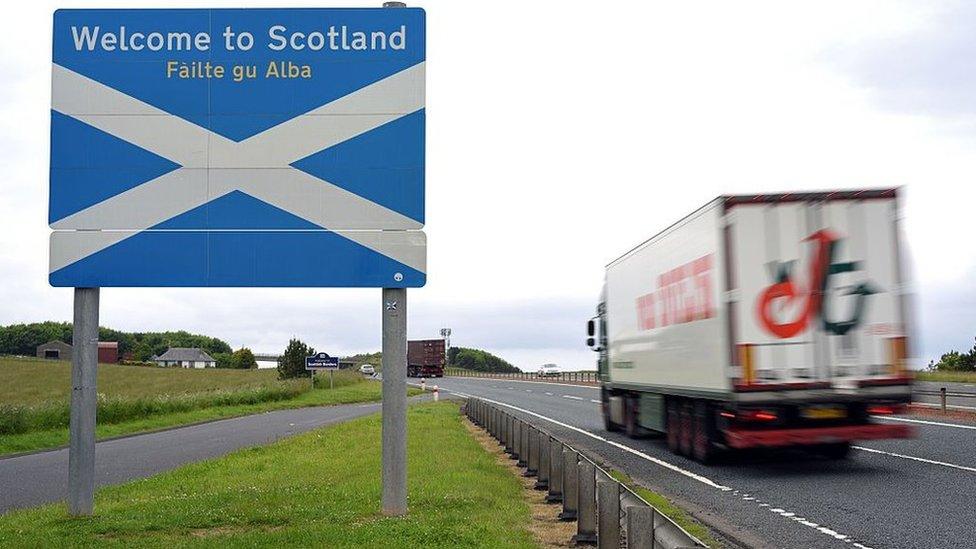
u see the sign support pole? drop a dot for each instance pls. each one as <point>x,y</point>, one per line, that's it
<point>394,401</point>
<point>84,401</point>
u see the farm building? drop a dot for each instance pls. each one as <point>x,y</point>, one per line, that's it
<point>108,352</point>
<point>54,350</point>
<point>185,357</point>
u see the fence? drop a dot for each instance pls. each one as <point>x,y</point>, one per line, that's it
<point>568,377</point>
<point>607,513</point>
<point>943,394</point>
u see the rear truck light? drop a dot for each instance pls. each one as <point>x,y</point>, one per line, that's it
<point>885,409</point>
<point>751,415</point>
<point>752,438</point>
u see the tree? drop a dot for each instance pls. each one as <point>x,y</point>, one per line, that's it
<point>956,361</point>
<point>243,359</point>
<point>291,364</point>
<point>224,360</point>
<point>480,361</point>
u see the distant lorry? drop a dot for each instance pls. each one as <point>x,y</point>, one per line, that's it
<point>426,358</point>
<point>760,321</point>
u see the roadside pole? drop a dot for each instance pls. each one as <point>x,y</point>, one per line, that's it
<point>394,401</point>
<point>84,372</point>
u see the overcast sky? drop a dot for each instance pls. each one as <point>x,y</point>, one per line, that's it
<point>560,136</point>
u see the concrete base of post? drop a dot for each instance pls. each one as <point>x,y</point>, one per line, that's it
<point>586,517</point>
<point>608,514</point>
<point>570,485</point>
<point>640,526</point>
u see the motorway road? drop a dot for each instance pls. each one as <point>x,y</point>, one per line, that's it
<point>42,477</point>
<point>907,494</point>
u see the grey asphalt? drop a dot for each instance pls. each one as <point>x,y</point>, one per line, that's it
<point>40,478</point>
<point>787,499</point>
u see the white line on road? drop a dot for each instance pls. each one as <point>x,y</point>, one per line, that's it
<point>548,393</point>
<point>913,458</point>
<point>926,422</point>
<point>694,476</point>
<point>594,401</point>
<point>573,397</point>
<point>528,390</point>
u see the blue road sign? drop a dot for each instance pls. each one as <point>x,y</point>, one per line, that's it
<point>238,147</point>
<point>321,361</point>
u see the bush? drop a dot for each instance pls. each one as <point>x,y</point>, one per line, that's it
<point>479,361</point>
<point>291,364</point>
<point>954,361</point>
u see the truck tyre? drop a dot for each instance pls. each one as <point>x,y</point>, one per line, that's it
<point>702,447</point>
<point>685,432</point>
<point>673,426</point>
<point>836,450</point>
<point>631,427</point>
<point>605,407</point>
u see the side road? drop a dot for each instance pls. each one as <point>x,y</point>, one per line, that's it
<point>40,478</point>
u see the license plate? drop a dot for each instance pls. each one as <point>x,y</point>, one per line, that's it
<point>824,412</point>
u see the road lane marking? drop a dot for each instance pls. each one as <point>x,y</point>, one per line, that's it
<point>548,393</point>
<point>595,401</point>
<point>926,422</point>
<point>573,397</point>
<point>913,458</point>
<point>550,383</point>
<point>528,390</point>
<point>694,476</point>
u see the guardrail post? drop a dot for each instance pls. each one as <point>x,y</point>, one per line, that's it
<point>640,526</point>
<point>521,451</point>
<point>570,485</point>
<point>509,449</point>
<point>586,516</point>
<point>544,463</point>
<point>555,494</point>
<point>608,507</point>
<point>492,421</point>
<point>942,396</point>
<point>533,465</point>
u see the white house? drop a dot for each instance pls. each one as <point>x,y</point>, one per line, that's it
<point>185,357</point>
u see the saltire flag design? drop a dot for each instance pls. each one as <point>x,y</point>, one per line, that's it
<point>161,180</point>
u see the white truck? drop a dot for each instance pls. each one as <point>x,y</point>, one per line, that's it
<point>760,321</point>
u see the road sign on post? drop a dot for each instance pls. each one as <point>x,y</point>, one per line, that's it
<point>236,148</point>
<point>321,361</point>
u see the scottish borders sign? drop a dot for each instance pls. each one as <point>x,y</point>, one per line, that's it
<point>238,147</point>
<point>321,361</point>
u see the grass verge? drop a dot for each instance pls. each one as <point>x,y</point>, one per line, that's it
<point>319,489</point>
<point>360,391</point>
<point>672,511</point>
<point>952,377</point>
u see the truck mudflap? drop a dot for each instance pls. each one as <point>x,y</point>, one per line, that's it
<point>754,438</point>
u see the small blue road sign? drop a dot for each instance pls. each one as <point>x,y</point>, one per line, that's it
<point>321,361</point>
<point>238,147</point>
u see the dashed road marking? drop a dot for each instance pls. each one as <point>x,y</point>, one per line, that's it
<point>573,397</point>
<point>694,476</point>
<point>595,401</point>
<point>548,393</point>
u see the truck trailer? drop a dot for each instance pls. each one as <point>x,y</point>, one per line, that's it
<point>760,321</point>
<point>426,358</point>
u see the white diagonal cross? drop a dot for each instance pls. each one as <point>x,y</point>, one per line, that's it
<point>213,165</point>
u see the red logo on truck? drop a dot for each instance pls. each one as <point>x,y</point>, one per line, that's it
<point>814,297</point>
<point>684,294</point>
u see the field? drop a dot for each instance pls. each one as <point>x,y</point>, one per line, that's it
<point>320,489</point>
<point>136,399</point>
<point>31,381</point>
<point>958,377</point>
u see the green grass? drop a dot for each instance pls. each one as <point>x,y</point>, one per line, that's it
<point>39,426</point>
<point>320,489</point>
<point>31,381</point>
<point>957,377</point>
<point>669,509</point>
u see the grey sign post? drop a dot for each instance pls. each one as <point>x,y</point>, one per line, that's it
<point>84,400</point>
<point>394,401</point>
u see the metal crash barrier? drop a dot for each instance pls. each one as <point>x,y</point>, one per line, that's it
<point>607,513</point>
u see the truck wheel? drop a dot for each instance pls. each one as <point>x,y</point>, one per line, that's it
<point>702,448</point>
<point>837,450</point>
<point>605,406</point>
<point>630,418</point>
<point>685,432</point>
<point>673,426</point>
